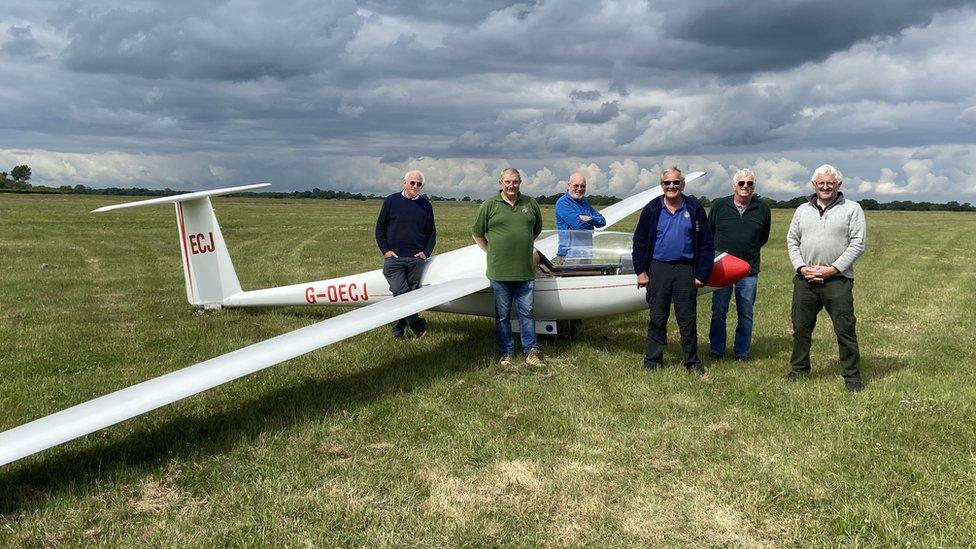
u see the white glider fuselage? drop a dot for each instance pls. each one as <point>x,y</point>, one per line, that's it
<point>556,298</point>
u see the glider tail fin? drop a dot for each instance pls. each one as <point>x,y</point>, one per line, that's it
<point>207,268</point>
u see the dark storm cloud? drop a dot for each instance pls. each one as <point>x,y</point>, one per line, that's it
<point>607,112</point>
<point>22,44</point>
<point>749,36</point>
<point>458,11</point>
<point>588,95</point>
<point>229,41</point>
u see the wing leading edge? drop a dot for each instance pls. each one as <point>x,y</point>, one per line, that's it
<point>124,404</point>
<point>631,204</point>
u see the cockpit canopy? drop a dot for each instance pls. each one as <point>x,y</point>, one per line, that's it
<point>585,253</point>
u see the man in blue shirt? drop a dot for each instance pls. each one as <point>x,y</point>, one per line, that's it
<point>574,213</point>
<point>406,235</point>
<point>673,257</point>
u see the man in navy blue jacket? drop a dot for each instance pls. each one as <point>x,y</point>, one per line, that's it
<point>673,257</point>
<point>406,235</point>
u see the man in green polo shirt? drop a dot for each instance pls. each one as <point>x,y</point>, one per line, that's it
<point>505,228</point>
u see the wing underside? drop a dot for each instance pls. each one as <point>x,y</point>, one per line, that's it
<point>126,403</point>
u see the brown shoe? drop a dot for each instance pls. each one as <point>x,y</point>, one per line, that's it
<point>534,358</point>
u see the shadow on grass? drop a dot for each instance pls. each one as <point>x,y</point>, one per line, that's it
<point>29,485</point>
<point>873,368</point>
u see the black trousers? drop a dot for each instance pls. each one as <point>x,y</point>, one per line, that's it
<point>672,282</point>
<point>836,295</point>
<point>403,275</point>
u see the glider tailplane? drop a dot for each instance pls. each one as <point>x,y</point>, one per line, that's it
<point>207,268</point>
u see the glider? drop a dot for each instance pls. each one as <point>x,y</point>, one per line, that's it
<point>598,282</point>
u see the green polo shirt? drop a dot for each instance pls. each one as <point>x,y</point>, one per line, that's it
<point>510,232</point>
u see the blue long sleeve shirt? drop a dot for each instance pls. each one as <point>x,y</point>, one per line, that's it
<point>568,212</point>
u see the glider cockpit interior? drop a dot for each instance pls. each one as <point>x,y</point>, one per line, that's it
<point>585,253</point>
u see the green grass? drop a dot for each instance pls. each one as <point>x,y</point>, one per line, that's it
<point>430,443</point>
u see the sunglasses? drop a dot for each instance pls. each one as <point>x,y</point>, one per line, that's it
<point>672,183</point>
<point>746,183</point>
<point>415,183</point>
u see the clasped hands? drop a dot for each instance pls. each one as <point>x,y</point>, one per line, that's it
<point>818,273</point>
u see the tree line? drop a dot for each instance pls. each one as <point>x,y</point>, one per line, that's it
<point>18,180</point>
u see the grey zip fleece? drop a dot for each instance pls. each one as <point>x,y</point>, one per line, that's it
<point>838,237</point>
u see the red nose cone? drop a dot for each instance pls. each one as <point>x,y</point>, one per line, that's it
<point>727,270</point>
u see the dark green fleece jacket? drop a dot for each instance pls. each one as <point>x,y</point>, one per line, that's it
<point>741,235</point>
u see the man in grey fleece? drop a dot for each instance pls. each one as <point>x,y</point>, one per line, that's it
<point>826,236</point>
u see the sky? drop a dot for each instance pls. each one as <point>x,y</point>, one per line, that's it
<point>343,95</point>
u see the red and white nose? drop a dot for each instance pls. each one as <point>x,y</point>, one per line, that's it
<point>728,269</point>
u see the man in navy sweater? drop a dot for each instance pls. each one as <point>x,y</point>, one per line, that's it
<point>673,257</point>
<point>406,235</point>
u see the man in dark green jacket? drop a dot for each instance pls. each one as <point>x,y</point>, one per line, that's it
<point>740,223</point>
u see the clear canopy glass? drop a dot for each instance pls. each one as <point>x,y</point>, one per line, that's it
<point>599,252</point>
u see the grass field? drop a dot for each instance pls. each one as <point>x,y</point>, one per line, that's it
<point>430,443</point>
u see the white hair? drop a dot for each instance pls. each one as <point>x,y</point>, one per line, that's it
<point>744,172</point>
<point>418,172</point>
<point>827,169</point>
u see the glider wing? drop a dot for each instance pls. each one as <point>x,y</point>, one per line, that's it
<point>126,403</point>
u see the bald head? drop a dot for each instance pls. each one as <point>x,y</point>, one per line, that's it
<point>576,185</point>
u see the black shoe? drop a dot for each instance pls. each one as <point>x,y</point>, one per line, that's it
<point>741,358</point>
<point>399,336</point>
<point>792,376</point>
<point>697,370</point>
<point>651,366</point>
<point>714,356</point>
<point>853,386</point>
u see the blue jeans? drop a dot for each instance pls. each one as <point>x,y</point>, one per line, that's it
<point>521,293</point>
<point>745,298</point>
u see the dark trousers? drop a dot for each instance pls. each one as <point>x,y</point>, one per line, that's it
<point>403,275</point>
<point>672,282</point>
<point>836,295</point>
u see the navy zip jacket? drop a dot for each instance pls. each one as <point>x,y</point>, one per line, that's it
<point>645,236</point>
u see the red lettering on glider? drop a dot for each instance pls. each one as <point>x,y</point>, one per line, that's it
<point>199,244</point>
<point>338,293</point>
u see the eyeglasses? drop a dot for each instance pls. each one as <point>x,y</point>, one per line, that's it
<point>826,183</point>
<point>745,183</point>
<point>672,183</point>
<point>577,186</point>
<point>415,183</point>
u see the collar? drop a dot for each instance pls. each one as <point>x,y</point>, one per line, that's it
<point>498,197</point>
<point>404,195</point>
<point>813,201</point>
<point>752,199</point>
<point>664,203</point>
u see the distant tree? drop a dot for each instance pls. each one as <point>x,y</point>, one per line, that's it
<point>21,174</point>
